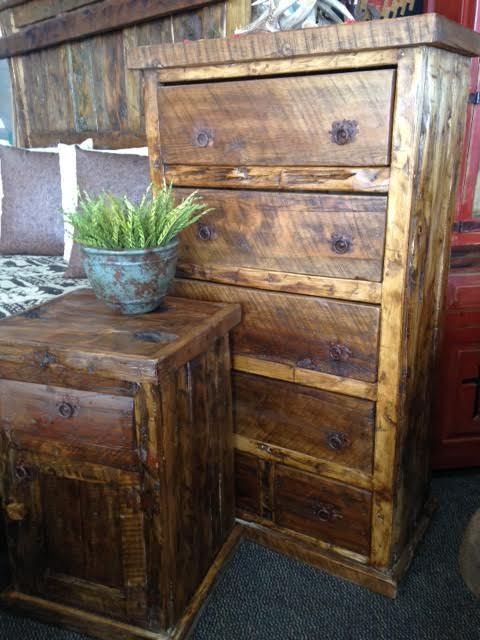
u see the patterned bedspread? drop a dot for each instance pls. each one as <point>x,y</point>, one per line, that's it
<point>26,281</point>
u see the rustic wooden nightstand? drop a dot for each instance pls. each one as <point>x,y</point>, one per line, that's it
<point>116,456</point>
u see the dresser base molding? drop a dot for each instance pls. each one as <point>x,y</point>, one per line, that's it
<point>333,561</point>
<point>105,628</point>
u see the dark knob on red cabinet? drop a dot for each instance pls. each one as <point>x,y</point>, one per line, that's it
<point>344,131</point>
<point>66,410</point>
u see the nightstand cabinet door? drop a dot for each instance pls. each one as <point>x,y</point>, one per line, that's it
<point>75,533</point>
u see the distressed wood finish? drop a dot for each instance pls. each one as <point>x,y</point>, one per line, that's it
<point>258,68</point>
<point>102,16</point>
<point>343,289</point>
<point>263,247</point>
<point>309,421</point>
<point>309,506</point>
<point>338,338</point>
<point>414,284</point>
<point>334,236</point>
<point>93,427</point>
<point>428,30</point>
<point>117,505</point>
<point>30,12</point>
<point>360,180</point>
<point>86,80</point>
<point>322,508</point>
<point>276,121</point>
<point>307,377</point>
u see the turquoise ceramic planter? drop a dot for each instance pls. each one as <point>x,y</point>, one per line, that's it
<point>131,281</point>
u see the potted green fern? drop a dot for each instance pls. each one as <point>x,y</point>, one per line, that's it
<point>130,250</point>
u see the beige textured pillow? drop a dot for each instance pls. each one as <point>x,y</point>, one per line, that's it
<point>31,220</point>
<point>121,172</point>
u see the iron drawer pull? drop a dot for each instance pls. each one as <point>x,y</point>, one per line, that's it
<point>344,131</point>
<point>340,243</point>
<point>206,232</point>
<point>337,440</point>
<point>339,352</point>
<point>66,410</point>
<point>326,512</point>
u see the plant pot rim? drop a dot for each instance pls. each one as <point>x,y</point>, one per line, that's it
<point>129,252</point>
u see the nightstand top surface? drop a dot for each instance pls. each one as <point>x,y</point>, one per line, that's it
<point>89,335</point>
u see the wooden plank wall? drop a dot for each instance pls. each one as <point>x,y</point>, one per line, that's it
<point>82,88</point>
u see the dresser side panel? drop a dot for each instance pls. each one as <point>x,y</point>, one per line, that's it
<point>442,133</point>
<point>428,126</point>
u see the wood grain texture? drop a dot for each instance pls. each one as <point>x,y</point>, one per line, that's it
<point>105,628</point>
<point>144,57</point>
<point>428,30</point>
<point>82,425</point>
<point>114,345</point>
<point>81,62</point>
<point>334,236</point>
<point>318,334</point>
<point>342,289</point>
<point>432,217</point>
<point>322,509</point>
<point>238,15</point>
<point>94,93</point>
<point>412,287</point>
<point>359,180</point>
<point>312,509</point>
<point>414,259</point>
<point>76,552</point>
<point>270,453</point>
<point>197,445</point>
<point>101,17</point>
<point>31,12</point>
<point>317,423</point>
<point>307,377</point>
<point>278,121</point>
<point>117,504</point>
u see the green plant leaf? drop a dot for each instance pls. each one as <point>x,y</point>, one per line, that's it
<point>112,222</point>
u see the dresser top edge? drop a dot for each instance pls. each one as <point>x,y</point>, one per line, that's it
<point>414,31</point>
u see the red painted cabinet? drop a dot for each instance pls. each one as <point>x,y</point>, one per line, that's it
<point>456,428</point>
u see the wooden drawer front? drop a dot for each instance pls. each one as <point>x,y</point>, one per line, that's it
<point>90,426</point>
<point>338,236</point>
<point>338,338</point>
<point>337,119</point>
<point>324,509</point>
<point>317,423</point>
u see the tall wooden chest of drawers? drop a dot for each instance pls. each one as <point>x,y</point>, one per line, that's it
<point>329,156</point>
<point>116,462</point>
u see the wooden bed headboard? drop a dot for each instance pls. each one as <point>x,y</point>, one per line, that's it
<point>68,62</point>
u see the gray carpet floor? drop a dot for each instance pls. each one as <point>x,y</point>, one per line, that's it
<point>262,595</point>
